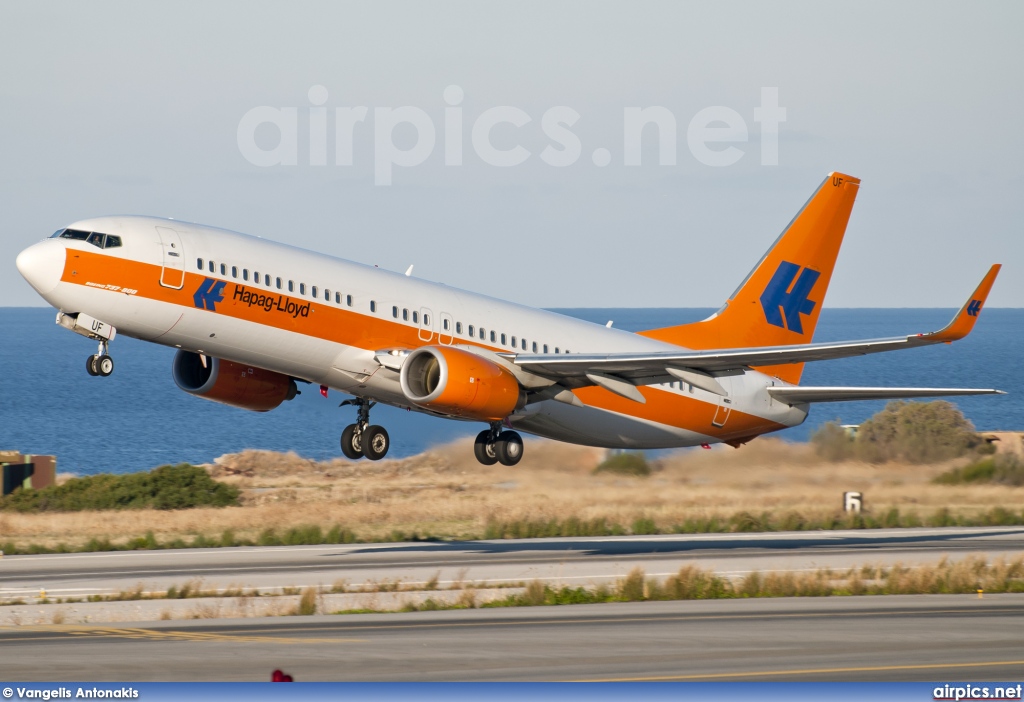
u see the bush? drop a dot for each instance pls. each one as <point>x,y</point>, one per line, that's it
<point>167,487</point>
<point>916,432</point>
<point>832,442</point>
<point>1003,469</point>
<point>629,463</point>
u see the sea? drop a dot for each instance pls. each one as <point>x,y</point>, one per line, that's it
<point>138,419</point>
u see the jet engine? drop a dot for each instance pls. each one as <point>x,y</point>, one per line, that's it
<point>459,383</point>
<point>231,383</point>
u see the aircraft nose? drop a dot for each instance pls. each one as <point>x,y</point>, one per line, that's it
<point>42,265</point>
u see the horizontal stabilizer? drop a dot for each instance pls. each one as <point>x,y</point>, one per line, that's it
<point>798,395</point>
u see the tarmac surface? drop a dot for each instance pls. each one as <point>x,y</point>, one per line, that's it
<point>928,637</point>
<point>919,637</point>
<point>568,561</point>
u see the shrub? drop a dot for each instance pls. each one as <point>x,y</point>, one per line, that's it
<point>167,487</point>
<point>1002,469</point>
<point>627,463</point>
<point>832,442</point>
<point>916,432</point>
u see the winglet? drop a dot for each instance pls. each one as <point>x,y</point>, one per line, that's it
<point>964,320</point>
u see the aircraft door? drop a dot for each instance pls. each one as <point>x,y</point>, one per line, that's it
<point>426,324</point>
<point>724,408</point>
<point>446,334</point>
<point>172,275</point>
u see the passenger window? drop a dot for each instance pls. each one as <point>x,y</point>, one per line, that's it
<point>277,281</point>
<point>112,242</point>
<point>445,324</point>
<point>291,286</point>
<point>556,349</point>
<point>327,295</point>
<point>405,314</point>
<point>524,344</point>
<point>337,298</point>
<point>199,263</point>
<point>394,311</point>
<point>458,327</point>
<point>348,300</point>
<point>534,347</point>
<point>503,340</point>
<point>212,266</point>
<point>493,337</point>
<point>315,291</point>
<point>373,305</point>
<point>245,274</point>
<point>545,348</point>
<point>426,319</point>
<point>223,269</point>
<point>266,280</point>
<point>416,317</point>
<point>513,342</point>
<point>256,278</point>
<point>234,271</point>
<point>96,239</point>
<point>472,330</point>
<point>302,288</point>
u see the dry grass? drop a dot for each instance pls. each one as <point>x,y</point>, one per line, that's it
<point>446,493</point>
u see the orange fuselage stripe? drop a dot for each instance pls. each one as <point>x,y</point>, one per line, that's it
<point>342,325</point>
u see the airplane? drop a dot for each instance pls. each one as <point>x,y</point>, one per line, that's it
<point>250,317</point>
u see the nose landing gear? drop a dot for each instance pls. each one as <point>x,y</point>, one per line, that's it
<point>363,439</point>
<point>494,445</point>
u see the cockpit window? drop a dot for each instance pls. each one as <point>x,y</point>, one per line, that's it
<point>74,234</point>
<point>96,239</point>
<point>57,234</point>
<point>111,241</point>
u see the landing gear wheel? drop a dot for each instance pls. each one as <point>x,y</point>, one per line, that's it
<point>104,365</point>
<point>483,449</point>
<point>376,442</point>
<point>90,365</point>
<point>351,443</point>
<point>509,448</point>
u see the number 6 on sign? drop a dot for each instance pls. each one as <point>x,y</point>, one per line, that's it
<point>853,502</point>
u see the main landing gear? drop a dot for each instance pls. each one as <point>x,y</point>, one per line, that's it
<point>494,445</point>
<point>101,363</point>
<point>363,439</point>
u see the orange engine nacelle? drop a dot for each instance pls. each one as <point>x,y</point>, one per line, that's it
<point>231,383</point>
<point>456,382</point>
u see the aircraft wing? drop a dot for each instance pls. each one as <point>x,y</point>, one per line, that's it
<point>616,370</point>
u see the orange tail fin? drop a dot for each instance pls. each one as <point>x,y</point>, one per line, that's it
<point>779,301</point>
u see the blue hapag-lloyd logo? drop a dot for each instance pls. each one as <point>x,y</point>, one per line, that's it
<point>974,308</point>
<point>784,300</point>
<point>210,292</point>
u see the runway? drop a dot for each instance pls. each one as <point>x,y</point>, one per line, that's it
<point>569,561</point>
<point>928,637</point>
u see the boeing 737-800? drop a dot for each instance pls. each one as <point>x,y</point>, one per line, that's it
<point>250,317</point>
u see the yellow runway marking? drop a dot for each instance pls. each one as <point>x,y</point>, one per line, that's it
<point>807,671</point>
<point>160,635</point>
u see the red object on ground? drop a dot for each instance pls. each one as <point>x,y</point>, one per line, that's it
<point>281,676</point>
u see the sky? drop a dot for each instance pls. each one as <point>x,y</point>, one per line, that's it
<point>160,109</point>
